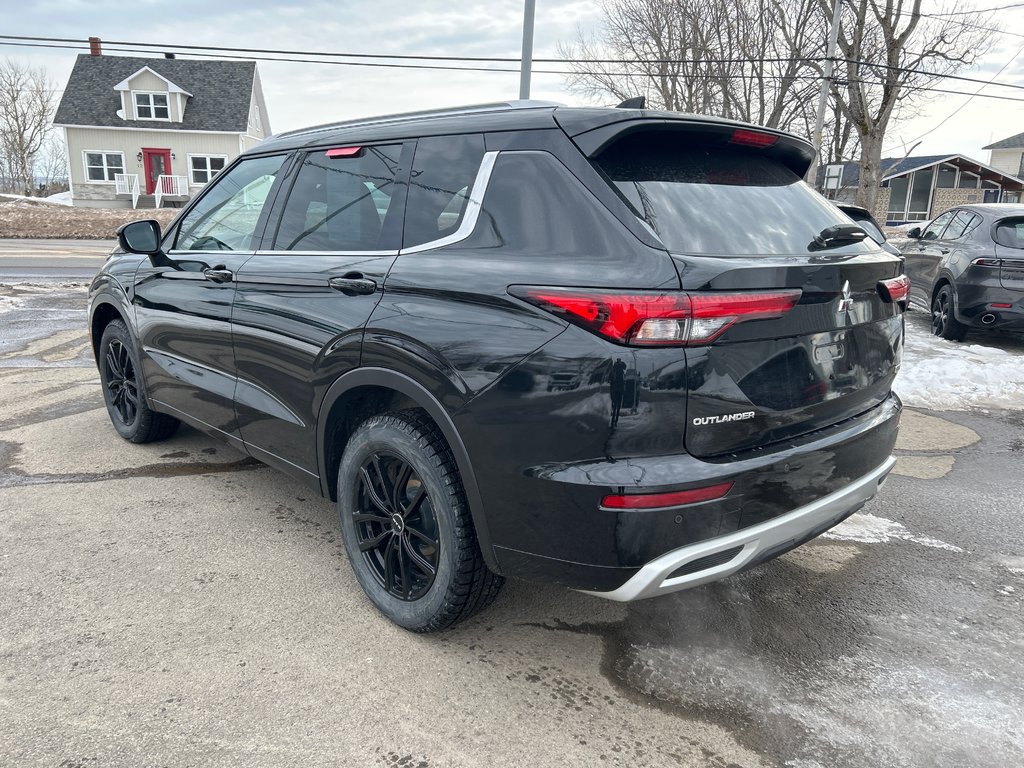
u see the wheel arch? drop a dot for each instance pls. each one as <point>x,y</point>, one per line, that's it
<point>104,310</point>
<point>366,391</point>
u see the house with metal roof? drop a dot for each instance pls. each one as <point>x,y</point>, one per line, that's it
<point>920,188</point>
<point>152,132</point>
<point>1008,155</point>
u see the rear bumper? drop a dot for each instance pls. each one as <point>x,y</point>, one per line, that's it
<point>974,306</point>
<point>725,555</point>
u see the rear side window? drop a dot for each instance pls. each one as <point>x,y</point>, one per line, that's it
<point>958,226</point>
<point>1010,233</point>
<point>339,203</point>
<point>716,199</point>
<point>443,171</point>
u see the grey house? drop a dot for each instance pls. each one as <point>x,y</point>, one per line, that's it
<point>920,188</point>
<point>149,132</point>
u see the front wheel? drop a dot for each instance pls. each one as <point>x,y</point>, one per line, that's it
<point>944,322</point>
<point>406,525</point>
<point>123,390</point>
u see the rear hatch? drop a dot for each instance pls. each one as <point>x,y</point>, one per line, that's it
<point>730,206</point>
<point>1009,237</point>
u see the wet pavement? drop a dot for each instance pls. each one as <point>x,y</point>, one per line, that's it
<point>179,604</point>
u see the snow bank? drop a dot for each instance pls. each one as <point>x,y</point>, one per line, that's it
<point>61,198</point>
<point>985,372</point>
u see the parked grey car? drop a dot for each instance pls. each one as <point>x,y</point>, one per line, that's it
<point>967,268</point>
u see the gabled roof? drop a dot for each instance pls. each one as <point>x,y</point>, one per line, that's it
<point>125,84</point>
<point>221,92</point>
<point>892,166</point>
<point>1014,142</point>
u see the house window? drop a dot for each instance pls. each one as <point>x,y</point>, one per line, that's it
<point>151,106</point>
<point>102,166</point>
<point>204,167</point>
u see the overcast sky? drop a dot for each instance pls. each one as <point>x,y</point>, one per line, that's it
<point>306,94</point>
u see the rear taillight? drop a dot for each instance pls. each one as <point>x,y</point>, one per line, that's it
<point>658,319</point>
<point>660,500</point>
<point>986,262</point>
<point>895,290</point>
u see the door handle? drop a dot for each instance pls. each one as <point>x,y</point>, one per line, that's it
<point>943,250</point>
<point>353,284</point>
<point>217,275</point>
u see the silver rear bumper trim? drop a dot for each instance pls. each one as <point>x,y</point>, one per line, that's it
<point>652,579</point>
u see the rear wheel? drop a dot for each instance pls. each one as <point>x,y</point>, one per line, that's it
<point>944,322</point>
<point>406,526</point>
<point>123,390</point>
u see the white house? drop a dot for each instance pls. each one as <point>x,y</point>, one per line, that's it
<point>1008,155</point>
<point>147,132</point>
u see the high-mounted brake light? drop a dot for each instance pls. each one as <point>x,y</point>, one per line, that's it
<point>344,152</point>
<point>895,289</point>
<point>660,500</point>
<point>752,138</point>
<point>665,319</point>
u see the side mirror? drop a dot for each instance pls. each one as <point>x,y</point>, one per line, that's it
<point>142,237</point>
<point>915,233</point>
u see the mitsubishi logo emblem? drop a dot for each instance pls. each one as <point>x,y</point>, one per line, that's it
<point>845,303</point>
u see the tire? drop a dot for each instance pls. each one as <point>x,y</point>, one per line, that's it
<point>410,540</point>
<point>124,392</point>
<point>944,322</point>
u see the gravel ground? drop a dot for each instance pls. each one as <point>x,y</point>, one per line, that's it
<point>21,218</point>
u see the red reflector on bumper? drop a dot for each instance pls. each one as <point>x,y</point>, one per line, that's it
<point>672,499</point>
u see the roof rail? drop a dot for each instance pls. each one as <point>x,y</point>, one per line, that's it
<point>500,106</point>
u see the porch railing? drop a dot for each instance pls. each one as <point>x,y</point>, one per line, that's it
<point>170,186</point>
<point>127,184</point>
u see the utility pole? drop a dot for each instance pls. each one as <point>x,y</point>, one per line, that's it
<point>527,61</point>
<point>826,84</point>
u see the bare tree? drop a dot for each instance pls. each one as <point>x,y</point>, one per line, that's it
<point>892,55</point>
<point>51,165</point>
<point>27,104</point>
<point>746,61</point>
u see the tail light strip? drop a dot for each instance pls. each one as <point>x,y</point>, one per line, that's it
<point>896,289</point>
<point>658,319</point>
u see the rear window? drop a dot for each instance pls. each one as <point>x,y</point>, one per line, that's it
<point>1010,233</point>
<point>718,200</point>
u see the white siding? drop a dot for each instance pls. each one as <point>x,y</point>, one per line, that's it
<point>1006,160</point>
<point>131,142</point>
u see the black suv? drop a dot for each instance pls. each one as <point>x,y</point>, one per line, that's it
<point>624,351</point>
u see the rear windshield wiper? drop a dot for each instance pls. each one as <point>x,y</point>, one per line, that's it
<point>834,236</point>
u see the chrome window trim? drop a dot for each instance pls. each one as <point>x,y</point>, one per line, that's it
<point>473,206</point>
<point>325,253</point>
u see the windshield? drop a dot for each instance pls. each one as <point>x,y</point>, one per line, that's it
<point>718,200</point>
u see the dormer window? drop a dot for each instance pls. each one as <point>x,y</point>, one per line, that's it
<point>151,106</point>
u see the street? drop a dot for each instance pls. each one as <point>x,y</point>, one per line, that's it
<point>181,604</point>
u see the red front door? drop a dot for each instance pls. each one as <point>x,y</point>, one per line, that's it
<point>157,162</point>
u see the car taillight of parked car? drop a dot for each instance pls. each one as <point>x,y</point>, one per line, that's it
<point>658,319</point>
<point>896,289</point>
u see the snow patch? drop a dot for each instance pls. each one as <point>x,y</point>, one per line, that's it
<point>940,374</point>
<point>868,529</point>
<point>61,198</point>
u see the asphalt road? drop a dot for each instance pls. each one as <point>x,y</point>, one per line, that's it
<point>23,259</point>
<point>179,604</point>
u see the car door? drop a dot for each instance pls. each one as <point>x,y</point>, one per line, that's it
<point>924,255</point>
<point>183,298</point>
<point>302,302</point>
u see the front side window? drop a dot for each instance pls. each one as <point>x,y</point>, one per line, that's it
<point>339,201</point>
<point>936,227</point>
<point>225,218</point>
<point>102,166</point>
<point>151,106</point>
<point>203,168</point>
<point>958,226</point>
<point>443,171</point>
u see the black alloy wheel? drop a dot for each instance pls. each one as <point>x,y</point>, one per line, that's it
<point>124,391</point>
<point>119,378</point>
<point>944,322</point>
<point>407,528</point>
<point>396,529</point>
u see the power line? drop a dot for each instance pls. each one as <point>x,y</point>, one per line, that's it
<point>563,72</point>
<point>977,26</point>
<point>978,10</point>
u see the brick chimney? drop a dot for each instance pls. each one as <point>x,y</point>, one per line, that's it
<point>94,47</point>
